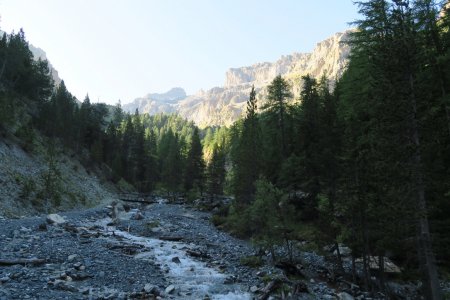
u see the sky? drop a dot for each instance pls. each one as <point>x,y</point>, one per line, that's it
<point>124,49</point>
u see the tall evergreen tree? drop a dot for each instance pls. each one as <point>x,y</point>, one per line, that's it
<point>195,165</point>
<point>278,95</point>
<point>216,172</point>
<point>247,162</point>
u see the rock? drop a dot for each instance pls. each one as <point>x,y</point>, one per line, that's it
<point>55,219</point>
<point>151,289</point>
<point>101,274</point>
<point>261,273</point>
<point>71,257</point>
<point>176,260</point>
<point>138,216</point>
<point>4,279</point>
<point>170,289</point>
<point>42,227</point>
<point>345,296</point>
<point>254,289</point>
<point>77,265</point>
<point>343,250</point>
<point>312,280</point>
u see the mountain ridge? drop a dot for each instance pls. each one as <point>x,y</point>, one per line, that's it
<point>225,104</point>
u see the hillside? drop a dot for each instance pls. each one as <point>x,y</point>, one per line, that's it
<point>28,177</point>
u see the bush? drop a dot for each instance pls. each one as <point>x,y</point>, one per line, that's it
<point>28,187</point>
<point>251,261</point>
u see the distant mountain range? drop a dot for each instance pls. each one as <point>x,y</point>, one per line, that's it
<point>224,105</point>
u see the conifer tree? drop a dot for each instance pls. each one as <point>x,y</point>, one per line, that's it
<point>195,165</point>
<point>248,155</point>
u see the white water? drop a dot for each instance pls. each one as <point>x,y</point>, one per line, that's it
<point>192,279</point>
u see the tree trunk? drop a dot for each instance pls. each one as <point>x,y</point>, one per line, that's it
<point>425,252</point>
<point>381,272</point>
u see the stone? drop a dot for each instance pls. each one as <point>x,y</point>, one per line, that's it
<point>138,216</point>
<point>42,227</point>
<point>71,257</point>
<point>55,219</point>
<point>170,289</point>
<point>176,260</point>
<point>151,288</point>
<point>254,289</point>
<point>345,296</point>
<point>4,279</point>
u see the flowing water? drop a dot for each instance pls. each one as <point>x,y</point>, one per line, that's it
<point>192,278</point>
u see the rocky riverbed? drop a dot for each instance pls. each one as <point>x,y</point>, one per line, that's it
<point>143,252</point>
<point>161,250</point>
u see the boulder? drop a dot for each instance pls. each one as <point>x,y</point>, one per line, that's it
<point>55,219</point>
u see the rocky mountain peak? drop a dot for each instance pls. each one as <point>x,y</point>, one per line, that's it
<point>224,105</point>
<point>328,57</point>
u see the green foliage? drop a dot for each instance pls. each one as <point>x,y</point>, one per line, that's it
<point>195,165</point>
<point>247,155</point>
<point>216,172</point>
<point>28,188</point>
<point>51,192</point>
<point>251,261</point>
<point>27,136</point>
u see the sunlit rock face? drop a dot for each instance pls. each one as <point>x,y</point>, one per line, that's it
<point>157,103</point>
<point>224,105</point>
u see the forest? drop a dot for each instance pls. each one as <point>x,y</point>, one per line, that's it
<point>363,160</point>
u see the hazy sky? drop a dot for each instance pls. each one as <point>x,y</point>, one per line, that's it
<point>123,49</point>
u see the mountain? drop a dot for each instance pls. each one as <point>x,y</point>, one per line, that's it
<point>157,103</point>
<point>224,105</point>
<point>39,53</point>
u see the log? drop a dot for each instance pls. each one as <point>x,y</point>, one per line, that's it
<point>268,289</point>
<point>21,261</point>
<point>171,238</point>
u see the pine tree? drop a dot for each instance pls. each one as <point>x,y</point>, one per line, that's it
<point>390,130</point>
<point>247,162</point>
<point>216,172</point>
<point>278,95</point>
<point>195,165</point>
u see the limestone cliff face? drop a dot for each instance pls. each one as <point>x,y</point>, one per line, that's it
<point>224,105</point>
<point>39,53</point>
<point>157,103</point>
<point>328,58</point>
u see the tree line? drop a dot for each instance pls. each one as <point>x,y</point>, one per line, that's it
<point>366,162</point>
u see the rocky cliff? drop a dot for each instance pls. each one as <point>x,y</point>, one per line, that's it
<point>157,103</point>
<point>224,105</point>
